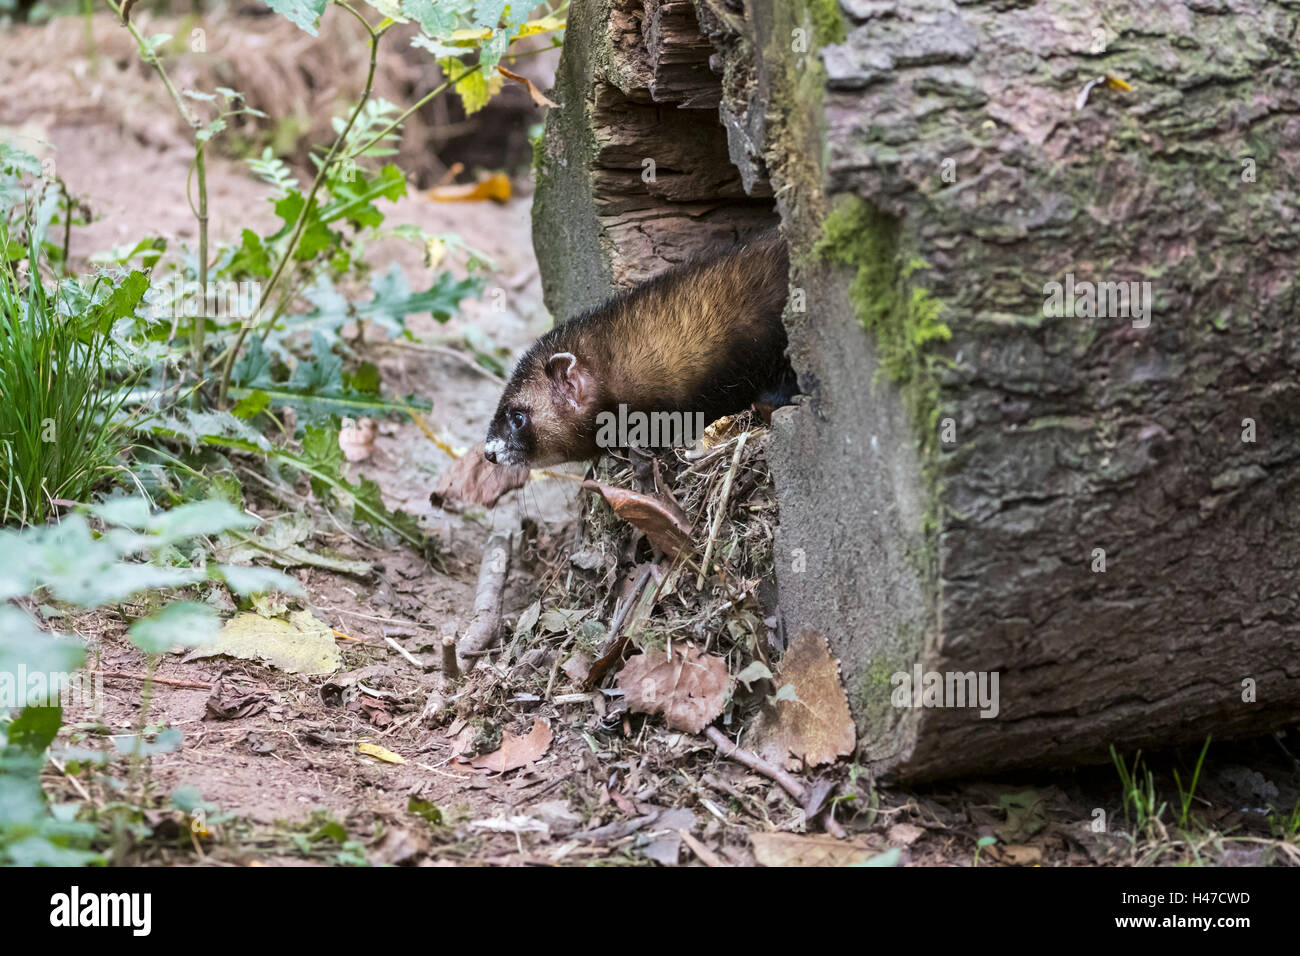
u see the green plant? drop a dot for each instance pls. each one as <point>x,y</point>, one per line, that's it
<point>133,552</point>
<point>61,429</point>
<point>1142,806</point>
<point>980,844</point>
<point>1185,797</point>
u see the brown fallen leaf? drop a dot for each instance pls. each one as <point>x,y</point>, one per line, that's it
<point>357,439</point>
<point>904,834</point>
<point>517,751</point>
<point>689,688</point>
<point>817,727</point>
<point>398,846</point>
<point>662,520</point>
<point>793,849</point>
<point>538,96</point>
<point>1016,855</point>
<point>227,703</point>
<point>473,480</point>
<point>495,186</point>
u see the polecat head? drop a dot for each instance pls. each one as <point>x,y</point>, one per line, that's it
<point>547,413</point>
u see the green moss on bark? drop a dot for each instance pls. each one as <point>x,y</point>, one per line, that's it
<point>827,21</point>
<point>902,318</point>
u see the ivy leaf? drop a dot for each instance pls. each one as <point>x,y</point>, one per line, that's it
<point>305,14</point>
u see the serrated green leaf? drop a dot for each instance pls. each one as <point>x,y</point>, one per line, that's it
<point>305,14</point>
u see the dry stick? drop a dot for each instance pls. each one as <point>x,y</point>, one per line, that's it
<point>195,684</point>
<point>450,666</point>
<point>755,762</point>
<point>459,356</point>
<point>403,651</point>
<point>722,511</point>
<point>492,573</point>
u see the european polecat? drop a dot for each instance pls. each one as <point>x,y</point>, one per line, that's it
<point>703,338</point>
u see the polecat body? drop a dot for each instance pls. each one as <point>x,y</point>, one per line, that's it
<point>705,337</point>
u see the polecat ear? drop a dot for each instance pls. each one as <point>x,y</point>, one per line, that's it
<point>571,377</point>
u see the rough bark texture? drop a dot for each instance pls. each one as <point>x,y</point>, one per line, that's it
<point>963,460</point>
<point>635,89</point>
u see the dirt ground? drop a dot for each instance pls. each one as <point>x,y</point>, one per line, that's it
<point>279,755</point>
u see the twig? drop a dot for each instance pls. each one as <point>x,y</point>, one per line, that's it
<point>721,512</point>
<point>458,355</point>
<point>450,667</point>
<point>76,784</point>
<point>194,684</point>
<point>403,651</point>
<point>756,763</point>
<point>492,574</point>
<point>615,642</point>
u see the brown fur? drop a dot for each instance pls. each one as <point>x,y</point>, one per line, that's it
<point>704,337</point>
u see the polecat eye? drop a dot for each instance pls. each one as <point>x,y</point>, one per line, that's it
<point>517,421</point>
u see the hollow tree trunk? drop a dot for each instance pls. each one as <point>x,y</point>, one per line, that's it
<point>1103,511</point>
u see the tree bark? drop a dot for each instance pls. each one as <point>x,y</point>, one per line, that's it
<point>1102,511</point>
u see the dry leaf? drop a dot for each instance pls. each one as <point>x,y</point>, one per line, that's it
<point>689,688</point>
<point>380,753</point>
<point>357,439</point>
<point>495,187</point>
<point>904,834</point>
<point>1016,854</point>
<point>817,727</point>
<point>538,96</point>
<point>300,645</point>
<point>663,521</point>
<point>517,751</point>
<point>792,849</point>
<point>226,702</point>
<point>397,846</point>
<point>473,480</point>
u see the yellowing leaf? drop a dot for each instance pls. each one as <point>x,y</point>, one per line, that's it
<point>474,88</point>
<point>542,25</point>
<point>380,753</point>
<point>469,37</point>
<point>300,645</point>
<point>495,187</point>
